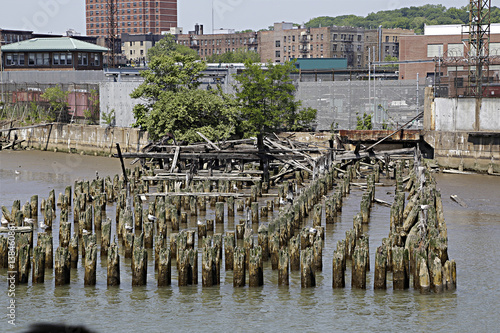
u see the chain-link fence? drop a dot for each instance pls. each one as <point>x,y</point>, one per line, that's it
<point>340,103</point>
<point>36,102</point>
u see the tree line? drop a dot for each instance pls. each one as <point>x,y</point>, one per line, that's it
<point>406,18</point>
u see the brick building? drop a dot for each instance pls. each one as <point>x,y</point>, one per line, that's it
<point>133,16</point>
<point>445,42</point>
<point>287,42</point>
<point>218,43</point>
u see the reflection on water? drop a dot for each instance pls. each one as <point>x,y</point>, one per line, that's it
<point>473,233</point>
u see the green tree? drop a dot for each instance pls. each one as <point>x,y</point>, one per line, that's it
<point>365,122</point>
<point>58,101</point>
<point>167,46</point>
<point>267,100</point>
<point>173,104</point>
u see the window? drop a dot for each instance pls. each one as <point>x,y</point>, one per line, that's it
<point>434,50</point>
<point>9,60</point>
<point>39,59</point>
<point>387,39</point>
<point>83,59</point>
<point>284,39</point>
<point>455,50</point>
<point>278,54</point>
<point>293,38</point>
<point>55,59</point>
<point>278,44</point>
<point>321,36</point>
<point>95,59</point>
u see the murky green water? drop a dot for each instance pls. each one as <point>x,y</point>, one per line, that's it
<point>474,242</point>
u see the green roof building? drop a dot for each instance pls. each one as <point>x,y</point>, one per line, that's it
<point>62,53</point>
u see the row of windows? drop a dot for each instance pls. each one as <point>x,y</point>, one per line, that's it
<point>58,59</point>
<point>124,30</point>
<point>228,41</point>
<point>134,4</point>
<point>123,11</point>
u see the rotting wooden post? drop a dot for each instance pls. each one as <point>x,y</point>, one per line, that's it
<point>318,254</point>
<point>138,216</point>
<point>193,265</point>
<point>140,267</point>
<point>174,218</point>
<point>4,251</point>
<point>24,263</point>
<point>294,245</point>
<point>62,265</point>
<point>255,268</point>
<point>64,234</point>
<point>165,268</point>
<point>184,218</point>
<point>400,269</point>
<point>317,214</point>
<point>240,205</point>
<point>380,276</point>
<point>283,267</point>
<point>274,246</point>
<point>34,207</point>
<point>192,205</point>
<point>359,267</point>
<point>230,206</point>
<point>45,240</point>
<point>263,241</point>
<point>38,274</point>
<point>338,269</point>
<point>73,250</point>
<point>229,243</point>
<point>450,274</point>
<point>437,275</point>
<point>248,245</point>
<point>207,266</point>
<point>210,225</point>
<point>307,274</point>
<point>128,244</point>
<point>424,278</point>
<point>239,267</point>
<point>255,212</point>
<point>105,236</point>
<point>113,265</point>
<point>219,213</point>
<point>148,234</point>
<point>240,230</point>
<point>159,244</point>
<point>90,265</point>
<point>202,230</point>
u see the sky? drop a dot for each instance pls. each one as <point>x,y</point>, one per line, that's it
<point>57,16</point>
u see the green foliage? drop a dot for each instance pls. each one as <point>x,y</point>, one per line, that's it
<point>238,56</point>
<point>92,113</point>
<point>174,104</point>
<point>365,122</point>
<point>267,101</point>
<point>109,117</point>
<point>407,18</point>
<point>167,46</point>
<point>57,99</point>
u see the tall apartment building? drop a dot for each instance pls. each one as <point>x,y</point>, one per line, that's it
<point>133,16</point>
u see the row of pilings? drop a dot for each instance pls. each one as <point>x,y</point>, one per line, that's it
<point>415,249</point>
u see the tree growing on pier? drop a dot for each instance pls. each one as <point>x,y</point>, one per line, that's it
<point>267,100</point>
<point>172,102</point>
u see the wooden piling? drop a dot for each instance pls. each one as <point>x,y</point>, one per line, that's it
<point>255,270</point>
<point>34,207</point>
<point>90,265</point>
<point>307,274</point>
<point>38,275</point>
<point>338,269</point>
<point>73,250</point>
<point>229,244</point>
<point>45,240</point>
<point>239,267</point>
<point>317,214</point>
<point>274,246</point>
<point>208,266</point>
<point>219,213</point>
<point>128,244</point>
<point>424,278</point>
<point>255,212</point>
<point>62,267</point>
<point>164,268</point>
<point>318,254</point>
<point>400,269</point>
<point>359,267</point>
<point>113,278</point>
<point>380,276</point>
<point>105,236</point>
<point>24,263</point>
<point>148,234</point>
<point>450,274</point>
<point>140,267</point>
<point>283,267</point>
<point>437,275</point>
<point>64,234</point>
<point>263,241</point>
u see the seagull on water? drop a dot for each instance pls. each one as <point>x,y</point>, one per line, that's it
<point>85,232</point>
<point>152,218</point>
<point>42,225</point>
<point>199,222</point>
<point>128,227</point>
<point>17,172</point>
<point>28,220</point>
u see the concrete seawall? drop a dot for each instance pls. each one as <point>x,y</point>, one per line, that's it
<point>463,131</point>
<point>89,139</point>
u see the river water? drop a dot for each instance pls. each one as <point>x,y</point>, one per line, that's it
<point>474,242</point>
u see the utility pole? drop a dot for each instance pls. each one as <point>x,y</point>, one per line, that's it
<point>112,17</point>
